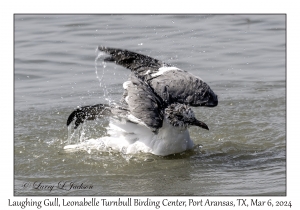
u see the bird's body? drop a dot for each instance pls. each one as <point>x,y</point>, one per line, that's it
<point>128,134</point>
<point>154,113</point>
<point>136,138</point>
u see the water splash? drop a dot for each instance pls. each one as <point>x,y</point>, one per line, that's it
<point>100,78</point>
<point>103,64</point>
<point>69,134</point>
<point>74,135</point>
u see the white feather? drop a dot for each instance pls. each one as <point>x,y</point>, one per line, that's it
<point>130,138</point>
<point>164,69</point>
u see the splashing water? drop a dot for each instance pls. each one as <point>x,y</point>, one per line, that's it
<point>76,136</point>
<point>115,140</point>
<point>102,83</point>
<point>99,55</point>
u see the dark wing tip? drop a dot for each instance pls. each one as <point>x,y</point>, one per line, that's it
<point>108,50</point>
<point>102,48</point>
<point>71,117</point>
<point>75,116</point>
<point>131,60</point>
<point>87,113</point>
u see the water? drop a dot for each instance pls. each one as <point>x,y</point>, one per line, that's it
<point>241,57</point>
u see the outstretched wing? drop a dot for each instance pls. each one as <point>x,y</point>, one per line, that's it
<point>136,62</point>
<point>88,113</point>
<point>171,84</point>
<point>143,104</point>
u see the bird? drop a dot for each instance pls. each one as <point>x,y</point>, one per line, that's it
<point>155,109</point>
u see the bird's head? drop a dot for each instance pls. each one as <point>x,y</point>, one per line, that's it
<point>181,115</point>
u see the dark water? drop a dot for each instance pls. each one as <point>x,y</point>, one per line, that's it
<point>241,57</point>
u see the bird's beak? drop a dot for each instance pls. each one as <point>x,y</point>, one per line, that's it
<point>199,123</point>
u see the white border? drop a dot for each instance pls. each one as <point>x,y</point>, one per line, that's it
<point>8,8</point>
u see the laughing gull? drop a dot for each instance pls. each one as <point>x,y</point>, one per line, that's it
<point>157,99</point>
